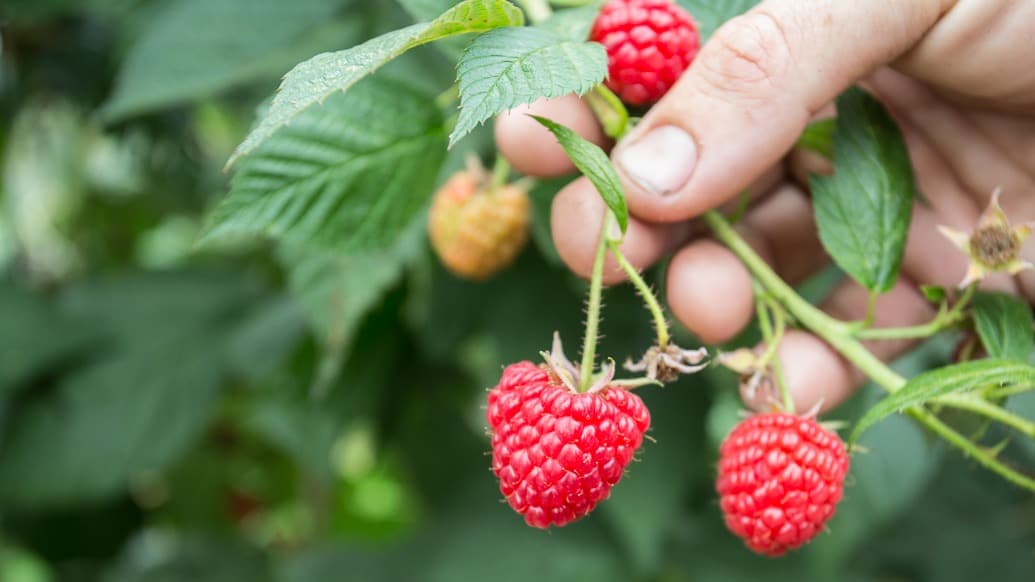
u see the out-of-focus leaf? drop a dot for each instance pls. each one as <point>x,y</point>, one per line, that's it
<point>1004,323</point>
<point>948,380</point>
<point>316,79</point>
<point>574,23</point>
<point>196,48</point>
<point>130,414</point>
<point>351,174</point>
<point>34,335</point>
<point>863,210</point>
<point>169,556</point>
<point>819,137</point>
<point>710,14</point>
<point>507,67</point>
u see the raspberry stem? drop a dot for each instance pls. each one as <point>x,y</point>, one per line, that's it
<point>596,284</point>
<point>653,305</point>
<point>772,333</point>
<point>839,334</point>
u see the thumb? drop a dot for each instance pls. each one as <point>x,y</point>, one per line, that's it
<point>751,91</point>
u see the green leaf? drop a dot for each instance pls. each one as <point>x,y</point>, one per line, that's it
<point>863,210</point>
<point>819,137</point>
<point>507,67</point>
<point>171,555</point>
<point>964,377</point>
<point>313,81</point>
<point>200,47</point>
<point>351,174</point>
<point>129,414</point>
<point>1004,323</point>
<point>594,163</point>
<point>711,14</point>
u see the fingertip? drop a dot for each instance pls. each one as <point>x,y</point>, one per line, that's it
<point>575,220</point>
<point>709,291</point>
<point>815,375</point>
<point>530,148</point>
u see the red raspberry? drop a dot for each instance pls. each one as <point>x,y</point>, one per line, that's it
<point>649,44</point>
<point>557,452</point>
<point>780,477</point>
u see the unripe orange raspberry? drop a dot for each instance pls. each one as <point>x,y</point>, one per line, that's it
<point>476,229</point>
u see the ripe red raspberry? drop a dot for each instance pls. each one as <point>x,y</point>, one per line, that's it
<point>649,44</point>
<point>780,477</point>
<point>557,452</point>
<point>475,229</point>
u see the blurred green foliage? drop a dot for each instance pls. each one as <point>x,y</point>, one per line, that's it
<point>288,414</point>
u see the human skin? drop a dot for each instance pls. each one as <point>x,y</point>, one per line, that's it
<point>957,77</point>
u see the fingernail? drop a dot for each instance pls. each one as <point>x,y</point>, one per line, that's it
<point>661,161</point>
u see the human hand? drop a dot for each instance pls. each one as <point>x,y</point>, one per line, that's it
<point>956,76</point>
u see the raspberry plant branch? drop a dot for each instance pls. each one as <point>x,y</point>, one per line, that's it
<point>649,299</point>
<point>839,335</point>
<point>596,284</point>
<point>945,319</point>
<point>978,405</point>
<point>772,334</point>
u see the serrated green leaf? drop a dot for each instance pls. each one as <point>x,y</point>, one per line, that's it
<point>313,81</point>
<point>595,165</point>
<point>1004,323</point>
<point>964,377</point>
<point>200,47</point>
<point>863,210</point>
<point>351,174</point>
<point>711,14</point>
<point>507,67</point>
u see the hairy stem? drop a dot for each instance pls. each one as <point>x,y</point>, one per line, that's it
<point>944,320</point>
<point>982,456</point>
<point>772,334</point>
<point>660,324</point>
<point>836,333</point>
<point>978,405</point>
<point>596,284</point>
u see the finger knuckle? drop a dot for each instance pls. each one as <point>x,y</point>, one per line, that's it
<point>749,55</point>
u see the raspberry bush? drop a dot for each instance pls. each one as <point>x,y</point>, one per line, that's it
<point>275,309</point>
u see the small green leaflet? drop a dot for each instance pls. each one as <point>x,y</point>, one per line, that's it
<point>507,67</point>
<point>312,81</point>
<point>595,165</point>
<point>819,137</point>
<point>964,377</point>
<point>863,210</point>
<point>1004,323</point>
<point>351,174</point>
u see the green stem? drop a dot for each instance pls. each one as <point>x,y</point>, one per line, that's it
<point>648,296</point>
<point>835,332</point>
<point>772,339</point>
<point>596,284</point>
<point>990,411</point>
<point>448,98</point>
<point>944,320</point>
<point>1007,392</point>
<point>979,454</point>
<point>500,172</point>
<point>537,10</point>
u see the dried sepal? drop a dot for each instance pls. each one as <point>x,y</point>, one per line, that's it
<point>666,365</point>
<point>994,246</point>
